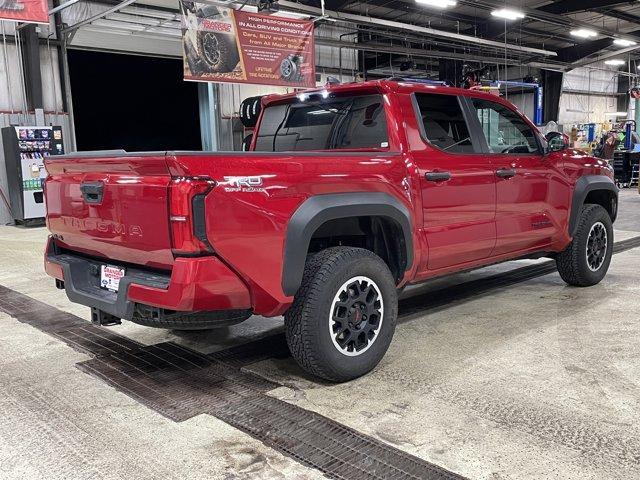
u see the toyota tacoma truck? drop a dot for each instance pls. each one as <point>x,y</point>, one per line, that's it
<point>348,194</point>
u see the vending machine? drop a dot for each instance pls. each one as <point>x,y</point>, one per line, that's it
<point>25,149</point>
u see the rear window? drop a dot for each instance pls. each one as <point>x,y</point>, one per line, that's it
<point>337,123</point>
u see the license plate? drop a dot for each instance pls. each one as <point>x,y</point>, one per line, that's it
<point>110,277</point>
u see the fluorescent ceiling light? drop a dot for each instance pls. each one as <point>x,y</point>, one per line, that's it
<point>508,14</point>
<point>584,33</point>
<point>438,3</point>
<point>288,14</point>
<point>616,114</point>
<point>616,61</point>
<point>621,42</point>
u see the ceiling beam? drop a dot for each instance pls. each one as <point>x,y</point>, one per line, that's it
<point>583,50</point>
<point>381,22</point>
<point>627,17</point>
<point>546,17</point>
<point>115,8</point>
<point>489,28</point>
<point>413,52</point>
<point>572,6</point>
<point>604,56</point>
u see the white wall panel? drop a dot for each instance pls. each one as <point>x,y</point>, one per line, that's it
<point>576,108</point>
<point>51,88</point>
<point>11,87</point>
<point>589,79</point>
<point>584,108</point>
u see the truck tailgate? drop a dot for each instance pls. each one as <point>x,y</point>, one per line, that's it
<point>114,208</point>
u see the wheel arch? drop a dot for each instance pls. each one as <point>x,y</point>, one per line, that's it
<point>318,210</point>
<point>598,189</point>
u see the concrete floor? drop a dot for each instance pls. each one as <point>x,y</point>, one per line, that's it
<point>533,380</point>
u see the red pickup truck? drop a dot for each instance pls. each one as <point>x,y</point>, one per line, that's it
<point>349,194</point>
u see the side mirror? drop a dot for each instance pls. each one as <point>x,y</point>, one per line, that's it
<point>557,141</point>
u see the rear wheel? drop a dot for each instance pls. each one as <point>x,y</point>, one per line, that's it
<point>344,314</point>
<point>586,260</point>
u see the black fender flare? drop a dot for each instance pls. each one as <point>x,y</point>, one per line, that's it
<point>316,210</point>
<point>584,186</point>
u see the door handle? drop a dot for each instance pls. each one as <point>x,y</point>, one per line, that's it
<point>92,192</point>
<point>506,172</point>
<point>437,176</point>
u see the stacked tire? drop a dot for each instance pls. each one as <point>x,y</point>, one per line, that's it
<point>250,109</point>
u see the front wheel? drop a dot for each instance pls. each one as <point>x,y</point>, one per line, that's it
<point>344,314</point>
<point>586,260</point>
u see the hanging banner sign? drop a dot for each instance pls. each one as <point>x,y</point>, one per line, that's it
<point>26,11</point>
<point>225,45</point>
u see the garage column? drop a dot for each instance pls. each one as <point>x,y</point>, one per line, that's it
<point>552,83</point>
<point>31,68</point>
<point>209,116</point>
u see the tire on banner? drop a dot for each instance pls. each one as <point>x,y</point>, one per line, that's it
<point>250,109</point>
<point>218,51</point>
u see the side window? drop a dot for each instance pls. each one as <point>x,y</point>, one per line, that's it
<point>506,132</point>
<point>443,122</point>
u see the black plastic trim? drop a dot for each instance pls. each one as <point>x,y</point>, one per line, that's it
<point>584,186</point>
<point>200,220</point>
<point>83,287</point>
<point>92,192</point>
<point>319,209</point>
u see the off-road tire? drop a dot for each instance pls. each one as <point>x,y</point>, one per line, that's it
<point>250,109</point>
<point>572,262</point>
<point>307,322</point>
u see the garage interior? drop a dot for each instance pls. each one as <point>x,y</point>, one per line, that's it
<point>501,372</point>
<point>120,93</point>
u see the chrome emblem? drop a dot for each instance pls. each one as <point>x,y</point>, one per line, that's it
<point>246,182</point>
<point>243,184</point>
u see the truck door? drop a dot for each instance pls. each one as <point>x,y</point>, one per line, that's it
<point>525,188</point>
<point>457,182</point>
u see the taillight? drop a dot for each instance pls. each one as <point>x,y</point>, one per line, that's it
<point>187,215</point>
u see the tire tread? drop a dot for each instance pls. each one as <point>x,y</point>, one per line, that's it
<point>569,261</point>
<point>301,336</point>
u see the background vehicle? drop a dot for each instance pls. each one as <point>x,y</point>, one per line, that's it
<point>350,194</point>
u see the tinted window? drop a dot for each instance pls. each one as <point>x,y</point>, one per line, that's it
<point>444,123</point>
<point>342,123</point>
<point>505,130</point>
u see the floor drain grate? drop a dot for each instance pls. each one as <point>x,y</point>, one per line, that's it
<point>179,384</point>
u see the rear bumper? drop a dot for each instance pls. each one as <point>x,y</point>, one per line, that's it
<point>202,284</point>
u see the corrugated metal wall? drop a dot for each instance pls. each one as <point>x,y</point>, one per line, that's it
<point>588,94</point>
<point>12,94</point>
